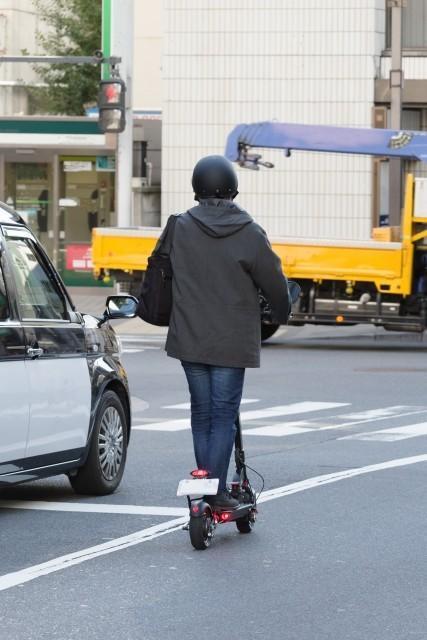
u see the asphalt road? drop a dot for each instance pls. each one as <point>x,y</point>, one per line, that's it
<point>335,421</point>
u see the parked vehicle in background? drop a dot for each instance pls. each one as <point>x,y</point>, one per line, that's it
<point>381,281</point>
<point>64,396</point>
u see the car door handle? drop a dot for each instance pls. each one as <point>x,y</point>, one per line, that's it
<point>34,352</point>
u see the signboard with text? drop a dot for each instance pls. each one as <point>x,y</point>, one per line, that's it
<point>78,257</point>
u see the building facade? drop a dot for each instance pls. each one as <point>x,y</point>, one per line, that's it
<point>59,172</point>
<point>200,68</point>
<point>19,24</point>
<point>239,61</point>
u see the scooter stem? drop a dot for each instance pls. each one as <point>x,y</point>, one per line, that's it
<point>239,454</point>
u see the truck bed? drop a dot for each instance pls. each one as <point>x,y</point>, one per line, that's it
<point>383,263</point>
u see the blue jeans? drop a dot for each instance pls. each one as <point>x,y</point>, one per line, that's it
<point>215,393</point>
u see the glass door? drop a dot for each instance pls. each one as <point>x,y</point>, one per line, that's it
<point>86,201</point>
<point>28,190</point>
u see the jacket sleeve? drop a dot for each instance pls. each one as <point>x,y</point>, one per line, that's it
<point>268,276</point>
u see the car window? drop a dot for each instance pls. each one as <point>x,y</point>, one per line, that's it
<point>4,305</point>
<point>37,293</point>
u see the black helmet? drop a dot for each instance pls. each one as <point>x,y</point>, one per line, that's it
<point>214,177</point>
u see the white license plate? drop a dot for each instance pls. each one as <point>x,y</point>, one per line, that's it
<point>198,487</point>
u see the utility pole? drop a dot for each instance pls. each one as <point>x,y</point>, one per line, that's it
<point>396,86</point>
<point>122,21</point>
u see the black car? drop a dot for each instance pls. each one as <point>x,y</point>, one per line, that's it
<point>64,396</point>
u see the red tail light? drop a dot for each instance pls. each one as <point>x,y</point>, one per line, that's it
<point>225,516</point>
<point>200,473</point>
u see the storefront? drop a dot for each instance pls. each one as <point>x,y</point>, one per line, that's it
<point>59,174</point>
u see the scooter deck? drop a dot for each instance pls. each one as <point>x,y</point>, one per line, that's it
<point>234,514</point>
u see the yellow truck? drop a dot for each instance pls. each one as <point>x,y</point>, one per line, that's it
<point>381,282</point>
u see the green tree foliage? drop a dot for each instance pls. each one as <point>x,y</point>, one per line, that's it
<point>72,28</point>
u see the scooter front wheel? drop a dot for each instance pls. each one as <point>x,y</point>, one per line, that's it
<point>245,524</point>
<point>201,530</point>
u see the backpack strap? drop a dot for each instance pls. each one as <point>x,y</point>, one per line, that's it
<point>164,243</point>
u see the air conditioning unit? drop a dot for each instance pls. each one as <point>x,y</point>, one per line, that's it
<point>137,183</point>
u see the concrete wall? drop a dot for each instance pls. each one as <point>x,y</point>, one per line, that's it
<point>231,61</point>
<point>147,91</point>
<point>18,26</point>
<point>414,68</point>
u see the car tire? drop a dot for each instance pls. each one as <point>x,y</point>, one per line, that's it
<point>103,470</point>
<point>268,330</point>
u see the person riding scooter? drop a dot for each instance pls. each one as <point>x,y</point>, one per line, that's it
<point>220,258</point>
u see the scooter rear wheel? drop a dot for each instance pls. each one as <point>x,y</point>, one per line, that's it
<point>244,525</point>
<point>201,530</point>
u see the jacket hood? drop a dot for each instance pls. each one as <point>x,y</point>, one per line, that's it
<point>219,218</point>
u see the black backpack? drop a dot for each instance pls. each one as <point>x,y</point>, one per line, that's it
<point>155,301</point>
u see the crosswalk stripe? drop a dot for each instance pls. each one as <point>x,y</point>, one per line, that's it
<point>335,422</point>
<point>167,425</point>
<point>138,349</point>
<point>368,417</point>
<point>277,430</point>
<point>289,409</point>
<point>372,414</point>
<point>187,405</point>
<point>281,410</point>
<point>129,338</point>
<point>391,435</point>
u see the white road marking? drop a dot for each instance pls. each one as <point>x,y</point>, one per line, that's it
<point>77,557</point>
<point>138,404</point>
<point>269,412</point>
<point>182,405</point>
<point>413,411</point>
<point>167,425</point>
<point>138,349</point>
<point>294,428</point>
<point>136,339</point>
<point>63,562</point>
<point>385,412</point>
<point>319,481</point>
<point>85,507</point>
<point>278,430</point>
<point>187,405</point>
<point>290,409</point>
<point>391,435</point>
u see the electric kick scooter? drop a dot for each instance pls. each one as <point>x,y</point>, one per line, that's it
<point>204,517</point>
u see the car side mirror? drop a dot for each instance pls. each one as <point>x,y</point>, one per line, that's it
<point>119,307</point>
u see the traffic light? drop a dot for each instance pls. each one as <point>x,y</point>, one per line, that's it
<point>111,103</point>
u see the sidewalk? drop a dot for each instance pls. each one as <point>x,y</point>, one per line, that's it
<point>92,300</point>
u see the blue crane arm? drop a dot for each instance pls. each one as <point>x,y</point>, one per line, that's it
<point>280,135</point>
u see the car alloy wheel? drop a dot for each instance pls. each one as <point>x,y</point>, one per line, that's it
<point>110,443</point>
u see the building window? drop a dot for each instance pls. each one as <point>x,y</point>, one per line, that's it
<point>414,25</point>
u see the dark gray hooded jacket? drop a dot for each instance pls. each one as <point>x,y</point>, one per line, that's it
<point>220,258</point>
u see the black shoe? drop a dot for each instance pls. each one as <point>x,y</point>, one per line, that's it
<point>223,500</point>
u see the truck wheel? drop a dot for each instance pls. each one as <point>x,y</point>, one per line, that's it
<point>103,470</point>
<point>267,330</point>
